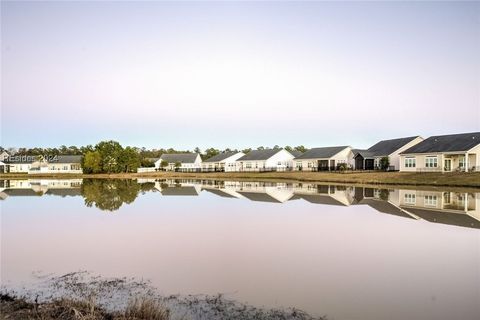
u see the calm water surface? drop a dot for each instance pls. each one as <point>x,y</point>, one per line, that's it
<point>342,251</point>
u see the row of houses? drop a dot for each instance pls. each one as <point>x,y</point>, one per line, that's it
<point>457,152</point>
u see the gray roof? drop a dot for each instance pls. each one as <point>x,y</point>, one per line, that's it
<point>219,193</point>
<point>65,192</point>
<point>386,147</point>
<point>67,159</point>
<point>445,217</point>
<point>221,156</point>
<point>179,157</point>
<point>363,153</point>
<point>259,196</point>
<point>321,153</point>
<point>446,143</point>
<point>296,153</point>
<point>259,154</point>
<point>22,192</point>
<point>179,191</point>
<point>321,199</point>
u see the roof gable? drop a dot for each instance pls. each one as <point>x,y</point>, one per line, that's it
<point>221,156</point>
<point>386,147</point>
<point>446,143</point>
<point>325,152</point>
<point>179,157</point>
<point>260,154</point>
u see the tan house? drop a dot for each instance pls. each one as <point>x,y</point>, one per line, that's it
<point>455,152</point>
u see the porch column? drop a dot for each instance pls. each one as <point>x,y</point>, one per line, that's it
<point>466,202</point>
<point>466,162</point>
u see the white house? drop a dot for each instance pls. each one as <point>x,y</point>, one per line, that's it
<point>36,165</point>
<point>184,162</point>
<point>225,161</point>
<point>370,159</point>
<point>4,155</point>
<point>323,159</point>
<point>454,152</point>
<point>265,160</point>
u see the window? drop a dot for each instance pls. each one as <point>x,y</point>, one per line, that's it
<point>431,201</point>
<point>410,162</point>
<point>410,198</point>
<point>431,162</point>
<point>461,162</point>
<point>248,165</point>
<point>298,164</point>
<point>309,164</point>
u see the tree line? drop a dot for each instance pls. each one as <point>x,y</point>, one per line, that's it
<point>111,157</point>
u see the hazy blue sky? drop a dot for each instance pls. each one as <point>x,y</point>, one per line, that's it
<point>164,74</point>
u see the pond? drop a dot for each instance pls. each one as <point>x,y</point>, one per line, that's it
<point>344,252</point>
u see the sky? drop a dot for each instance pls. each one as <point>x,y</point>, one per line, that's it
<point>237,74</point>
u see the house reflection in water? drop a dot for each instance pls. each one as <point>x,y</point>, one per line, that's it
<point>452,208</point>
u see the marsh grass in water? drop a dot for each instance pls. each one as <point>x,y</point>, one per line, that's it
<point>82,296</point>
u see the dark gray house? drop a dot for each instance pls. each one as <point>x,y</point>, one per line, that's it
<point>370,159</point>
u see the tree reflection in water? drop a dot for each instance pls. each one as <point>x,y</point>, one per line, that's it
<point>111,194</point>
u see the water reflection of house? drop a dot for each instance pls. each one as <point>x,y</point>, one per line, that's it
<point>382,200</point>
<point>225,189</point>
<point>266,191</point>
<point>324,194</point>
<point>179,187</point>
<point>454,208</point>
<point>39,187</point>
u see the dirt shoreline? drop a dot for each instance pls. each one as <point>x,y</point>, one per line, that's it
<point>433,179</point>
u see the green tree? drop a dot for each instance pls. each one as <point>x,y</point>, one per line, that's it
<point>163,164</point>
<point>111,152</point>
<point>247,150</point>
<point>178,164</point>
<point>276,147</point>
<point>129,160</point>
<point>301,148</point>
<point>261,148</point>
<point>92,162</point>
<point>146,163</point>
<point>384,163</point>
<point>109,194</point>
<point>210,152</point>
<point>288,148</point>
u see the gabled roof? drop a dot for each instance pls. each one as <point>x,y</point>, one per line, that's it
<point>179,157</point>
<point>259,196</point>
<point>363,153</point>
<point>179,191</point>
<point>221,156</point>
<point>259,154</point>
<point>445,217</point>
<point>67,159</point>
<point>321,199</point>
<point>386,147</point>
<point>219,193</point>
<point>296,153</point>
<point>321,153</point>
<point>446,143</point>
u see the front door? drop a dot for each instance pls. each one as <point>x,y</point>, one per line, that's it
<point>448,165</point>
